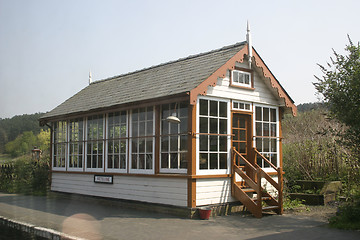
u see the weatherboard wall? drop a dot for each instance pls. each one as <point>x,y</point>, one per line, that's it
<point>146,189</point>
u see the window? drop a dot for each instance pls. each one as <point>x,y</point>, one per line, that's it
<point>241,78</point>
<point>241,106</point>
<point>213,138</point>
<point>117,141</point>
<point>95,142</point>
<point>142,140</point>
<point>266,131</point>
<point>59,144</point>
<point>174,138</point>
<point>76,137</point>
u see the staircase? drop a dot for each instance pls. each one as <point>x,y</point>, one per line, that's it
<point>249,191</point>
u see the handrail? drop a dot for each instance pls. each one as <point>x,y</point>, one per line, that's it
<point>264,158</point>
<point>244,159</point>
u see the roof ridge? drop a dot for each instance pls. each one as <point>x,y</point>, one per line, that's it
<point>170,62</point>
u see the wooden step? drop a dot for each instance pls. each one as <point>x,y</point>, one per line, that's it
<point>267,208</point>
<point>263,198</point>
<point>248,190</point>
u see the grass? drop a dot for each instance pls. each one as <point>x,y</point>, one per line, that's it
<point>4,158</point>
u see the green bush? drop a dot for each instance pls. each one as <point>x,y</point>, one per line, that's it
<point>26,176</point>
<point>348,216</point>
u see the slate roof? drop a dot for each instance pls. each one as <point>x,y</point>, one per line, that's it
<point>166,79</point>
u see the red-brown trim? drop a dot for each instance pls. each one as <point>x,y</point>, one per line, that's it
<point>220,73</point>
<point>274,83</point>
<point>280,135</point>
<point>160,175</point>
<point>191,156</point>
<point>201,89</point>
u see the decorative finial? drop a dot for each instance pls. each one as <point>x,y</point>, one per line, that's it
<point>90,77</point>
<point>248,39</point>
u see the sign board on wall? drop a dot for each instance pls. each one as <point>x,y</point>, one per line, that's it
<point>103,179</point>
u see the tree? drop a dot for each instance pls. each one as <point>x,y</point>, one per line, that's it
<point>340,87</point>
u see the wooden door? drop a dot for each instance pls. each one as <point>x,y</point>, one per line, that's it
<point>241,138</point>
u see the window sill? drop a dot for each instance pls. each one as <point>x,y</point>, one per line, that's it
<point>242,87</point>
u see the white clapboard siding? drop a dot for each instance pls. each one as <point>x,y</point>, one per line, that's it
<point>155,190</point>
<point>213,191</point>
<point>260,94</point>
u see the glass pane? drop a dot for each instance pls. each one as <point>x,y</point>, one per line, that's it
<point>273,130</point>
<point>213,143</point>
<point>242,123</point>
<point>265,114</point>
<point>235,76</point>
<point>259,144</point>
<point>203,125</point>
<point>266,129</point>
<point>135,129</point>
<point>236,134</point>
<point>174,160</point>
<point>165,127</point>
<point>235,121</point>
<point>242,135</point>
<point>183,160</point>
<point>213,161</point>
<point>123,146</point>
<point>258,129</point>
<point>183,110</point>
<point>116,162</point>
<point>141,145</point>
<point>203,161</point>
<point>149,145</point>
<point>174,143</point>
<point>165,144</point>
<point>266,142</point>
<point>141,129</point>
<point>273,145</point>
<point>123,161</point>
<point>134,147</point>
<point>149,128</point>
<point>174,128</point>
<point>203,143</point>
<point>149,161</point>
<point>183,143</point>
<point>223,160</point>
<point>223,143</point>
<point>184,125</point>
<point>203,107</point>
<point>214,125</point>
<point>273,115</point>
<point>135,115</point>
<point>116,147</point>
<point>266,165</point>
<point>242,147</point>
<point>165,160</point>
<point>247,79</point>
<point>274,159</point>
<point>149,114</point>
<point>223,126</point>
<point>259,161</point>
<point>235,105</point>
<point>222,109</point>
<point>141,161</point>
<point>142,114</point>
<point>214,108</point>
<point>258,115</point>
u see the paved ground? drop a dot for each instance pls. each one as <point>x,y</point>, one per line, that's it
<point>104,221</point>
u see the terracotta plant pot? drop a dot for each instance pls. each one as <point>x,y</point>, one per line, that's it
<point>205,213</point>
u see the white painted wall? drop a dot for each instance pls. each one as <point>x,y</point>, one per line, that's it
<point>213,191</point>
<point>171,191</point>
<point>261,93</point>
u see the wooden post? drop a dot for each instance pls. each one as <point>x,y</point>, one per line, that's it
<point>281,187</point>
<point>191,156</point>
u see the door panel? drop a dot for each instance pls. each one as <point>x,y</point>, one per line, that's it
<point>241,139</point>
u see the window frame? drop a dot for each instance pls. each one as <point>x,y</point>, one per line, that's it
<point>228,130</point>
<point>245,71</point>
<point>108,139</point>
<point>277,137</point>
<point>62,143</point>
<point>130,126</point>
<point>179,134</point>
<point>87,141</point>
<point>80,143</point>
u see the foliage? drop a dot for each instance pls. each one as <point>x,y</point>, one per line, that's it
<point>25,175</point>
<point>348,216</point>
<point>27,141</point>
<point>290,204</point>
<point>10,128</point>
<point>304,107</point>
<point>340,87</point>
<point>312,151</point>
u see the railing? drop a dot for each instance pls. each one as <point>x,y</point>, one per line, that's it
<point>278,185</point>
<point>255,183</point>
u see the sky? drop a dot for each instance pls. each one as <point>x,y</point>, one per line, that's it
<point>47,48</point>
